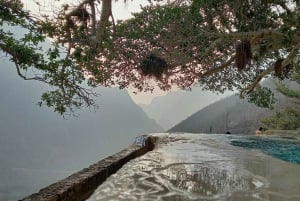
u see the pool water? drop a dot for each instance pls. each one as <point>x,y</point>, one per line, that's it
<point>206,167</point>
<point>284,149</point>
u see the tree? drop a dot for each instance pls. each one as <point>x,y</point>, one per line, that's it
<point>34,62</point>
<point>221,45</point>
<point>288,119</point>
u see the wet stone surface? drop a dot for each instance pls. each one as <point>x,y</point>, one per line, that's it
<point>202,167</point>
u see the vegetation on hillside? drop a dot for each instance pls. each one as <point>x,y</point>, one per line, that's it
<point>221,45</point>
<point>288,119</point>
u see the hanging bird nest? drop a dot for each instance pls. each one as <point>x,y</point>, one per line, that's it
<point>280,71</point>
<point>243,55</point>
<point>153,66</point>
<point>277,68</point>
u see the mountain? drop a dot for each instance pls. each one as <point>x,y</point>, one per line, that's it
<point>176,106</point>
<point>39,147</point>
<point>232,114</point>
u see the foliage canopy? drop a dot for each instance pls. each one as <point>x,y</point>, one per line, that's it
<point>220,45</point>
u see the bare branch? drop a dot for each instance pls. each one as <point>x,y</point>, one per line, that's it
<point>28,78</point>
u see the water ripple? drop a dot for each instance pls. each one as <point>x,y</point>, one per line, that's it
<point>196,168</point>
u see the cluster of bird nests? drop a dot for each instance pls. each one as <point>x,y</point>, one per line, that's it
<point>244,56</point>
<point>153,66</point>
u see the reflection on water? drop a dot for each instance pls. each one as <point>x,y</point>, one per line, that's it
<point>204,180</point>
<point>202,167</point>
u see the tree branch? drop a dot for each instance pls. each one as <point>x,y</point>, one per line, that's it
<point>252,86</point>
<point>75,10</point>
<point>93,10</point>
<point>28,78</point>
<point>217,69</point>
<point>103,23</point>
<point>291,56</point>
<point>209,49</point>
<point>264,34</point>
<point>14,59</point>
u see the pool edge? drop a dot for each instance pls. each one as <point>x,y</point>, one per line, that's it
<point>80,185</point>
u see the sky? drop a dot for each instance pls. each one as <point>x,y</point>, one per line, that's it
<point>121,10</point>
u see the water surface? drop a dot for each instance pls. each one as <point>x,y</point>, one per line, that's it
<point>202,167</point>
<point>285,149</point>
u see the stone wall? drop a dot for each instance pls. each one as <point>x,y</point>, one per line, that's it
<point>79,186</point>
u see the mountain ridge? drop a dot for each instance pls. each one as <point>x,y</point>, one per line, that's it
<point>231,114</point>
<point>175,106</point>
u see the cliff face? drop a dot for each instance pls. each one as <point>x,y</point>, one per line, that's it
<point>38,147</point>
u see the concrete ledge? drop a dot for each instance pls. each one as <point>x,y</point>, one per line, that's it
<point>79,186</point>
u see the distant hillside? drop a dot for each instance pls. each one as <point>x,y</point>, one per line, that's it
<point>229,114</point>
<point>38,147</point>
<point>176,106</point>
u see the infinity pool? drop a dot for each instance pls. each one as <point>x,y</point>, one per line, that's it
<point>204,167</point>
<point>285,149</point>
